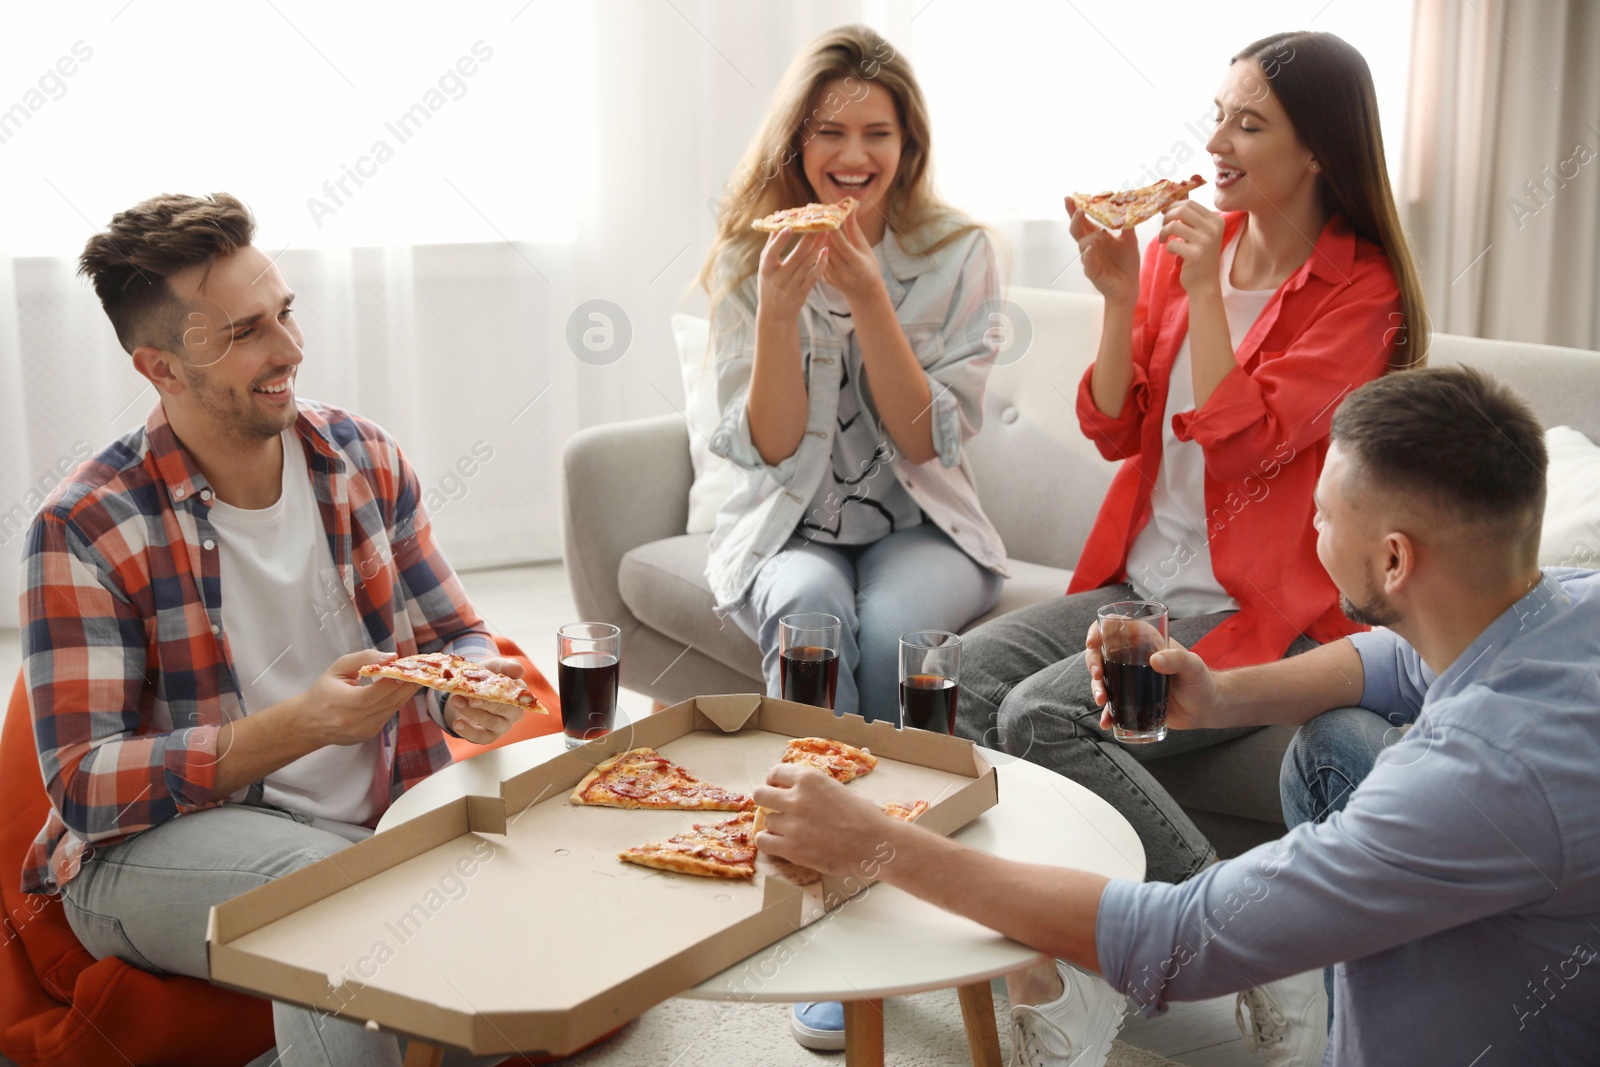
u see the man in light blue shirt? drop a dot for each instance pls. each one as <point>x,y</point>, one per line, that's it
<point>1457,887</point>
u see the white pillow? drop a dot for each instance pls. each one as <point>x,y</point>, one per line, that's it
<point>715,478</point>
<point>1571,535</point>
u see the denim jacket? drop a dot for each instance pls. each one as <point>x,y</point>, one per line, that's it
<point>943,302</point>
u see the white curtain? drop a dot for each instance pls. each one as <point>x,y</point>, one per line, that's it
<point>576,163</point>
<point>1502,165</point>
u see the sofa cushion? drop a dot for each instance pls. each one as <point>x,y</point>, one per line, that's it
<point>1029,583</point>
<point>663,583</point>
<point>1571,535</point>
<point>715,479</point>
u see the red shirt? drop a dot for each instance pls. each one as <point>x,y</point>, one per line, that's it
<point>1327,330</point>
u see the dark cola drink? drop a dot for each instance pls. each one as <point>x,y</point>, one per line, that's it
<point>1138,698</point>
<point>588,683</point>
<point>928,702</point>
<point>810,675</point>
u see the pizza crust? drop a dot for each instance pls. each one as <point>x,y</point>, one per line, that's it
<point>599,769</point>
<point>811,218</point>
<point>457,675</point>
<point>683,863</point>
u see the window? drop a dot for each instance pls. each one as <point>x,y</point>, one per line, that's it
<point>1033,101</point>
<point>339,124</point>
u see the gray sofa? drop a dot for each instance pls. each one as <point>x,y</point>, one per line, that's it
<point>630,562</point>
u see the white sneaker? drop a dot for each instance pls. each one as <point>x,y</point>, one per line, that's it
<point>1075,1029</point>
<point>1288,1020</point>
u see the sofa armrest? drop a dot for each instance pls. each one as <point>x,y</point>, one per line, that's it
<point>623,485</point>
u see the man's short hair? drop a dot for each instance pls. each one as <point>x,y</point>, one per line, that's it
<point>129,263</point>
<point>1453,437</point>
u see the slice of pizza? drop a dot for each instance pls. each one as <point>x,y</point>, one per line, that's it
<point>793,872</point>
<point>454,674</point>
<point>901,810</point>
<point>711,850</point>
<point>644,778</point>
<point>812,218</point>
<point>1118,210</point>
<point>844,762</point>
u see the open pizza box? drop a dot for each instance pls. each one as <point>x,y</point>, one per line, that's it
<point>507,924</point>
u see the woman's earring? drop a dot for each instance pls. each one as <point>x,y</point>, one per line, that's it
<point>1315,166</point>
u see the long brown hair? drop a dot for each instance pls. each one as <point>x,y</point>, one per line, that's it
<point>770,177</point>
<point>1326,89</point>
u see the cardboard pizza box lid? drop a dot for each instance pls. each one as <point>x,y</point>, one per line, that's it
<point>507,924</point>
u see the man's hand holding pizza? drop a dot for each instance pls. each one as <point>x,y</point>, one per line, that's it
<point>485,721</point>
<point>816,822</point>
<point>341,708</point>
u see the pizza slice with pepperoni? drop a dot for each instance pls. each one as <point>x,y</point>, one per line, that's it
<point>1120,209</point>
<point>644,778</point>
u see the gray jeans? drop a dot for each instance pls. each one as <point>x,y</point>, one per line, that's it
<point>146,900</point>
<point>1025,691</point>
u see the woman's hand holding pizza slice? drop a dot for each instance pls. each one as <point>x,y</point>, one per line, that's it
<point>785,281</point>
<point>1110,259</point>
<point>851,267</point>
<point>1194,234</point>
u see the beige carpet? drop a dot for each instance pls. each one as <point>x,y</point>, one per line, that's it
<point>920,1031</point>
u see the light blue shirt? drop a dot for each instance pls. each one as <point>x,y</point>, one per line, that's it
<point>1459,890</point>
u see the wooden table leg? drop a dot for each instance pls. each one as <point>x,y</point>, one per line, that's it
<point>977,1011</point>
<point>422,1054</point>
<point>863,1033</point>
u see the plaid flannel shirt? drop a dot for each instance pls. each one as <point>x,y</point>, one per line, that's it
<point>129,672</point>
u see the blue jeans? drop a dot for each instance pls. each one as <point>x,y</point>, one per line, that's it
<point>913,579</point>
<point>1327,759</point>
<point>146,900</point>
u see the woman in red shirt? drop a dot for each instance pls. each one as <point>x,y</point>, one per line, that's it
<point>1225,350</point>
<point>1224,353</point>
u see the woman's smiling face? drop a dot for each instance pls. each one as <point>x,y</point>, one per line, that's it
<point>1259,157</point>
<point>855,152</point>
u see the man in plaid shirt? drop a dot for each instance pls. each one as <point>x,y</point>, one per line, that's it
<point>198,599</point>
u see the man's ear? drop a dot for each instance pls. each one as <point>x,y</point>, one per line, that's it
<point>159,367</point>
<point>1399,563</point>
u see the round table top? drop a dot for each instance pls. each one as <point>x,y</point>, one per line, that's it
<point>883,942</point>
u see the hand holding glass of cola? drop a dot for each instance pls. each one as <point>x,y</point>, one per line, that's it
<point>1131,631</point>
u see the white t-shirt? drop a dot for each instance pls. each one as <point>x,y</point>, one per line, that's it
<point>1170,560</point>
<point>288,617</point>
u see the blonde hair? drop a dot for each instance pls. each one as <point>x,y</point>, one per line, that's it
<point>770,177</point>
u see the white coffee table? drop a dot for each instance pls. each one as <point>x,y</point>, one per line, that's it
<point>884,942</point>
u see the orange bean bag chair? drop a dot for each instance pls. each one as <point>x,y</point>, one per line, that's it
<point>532,724</point>
<point>60,1007</point>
